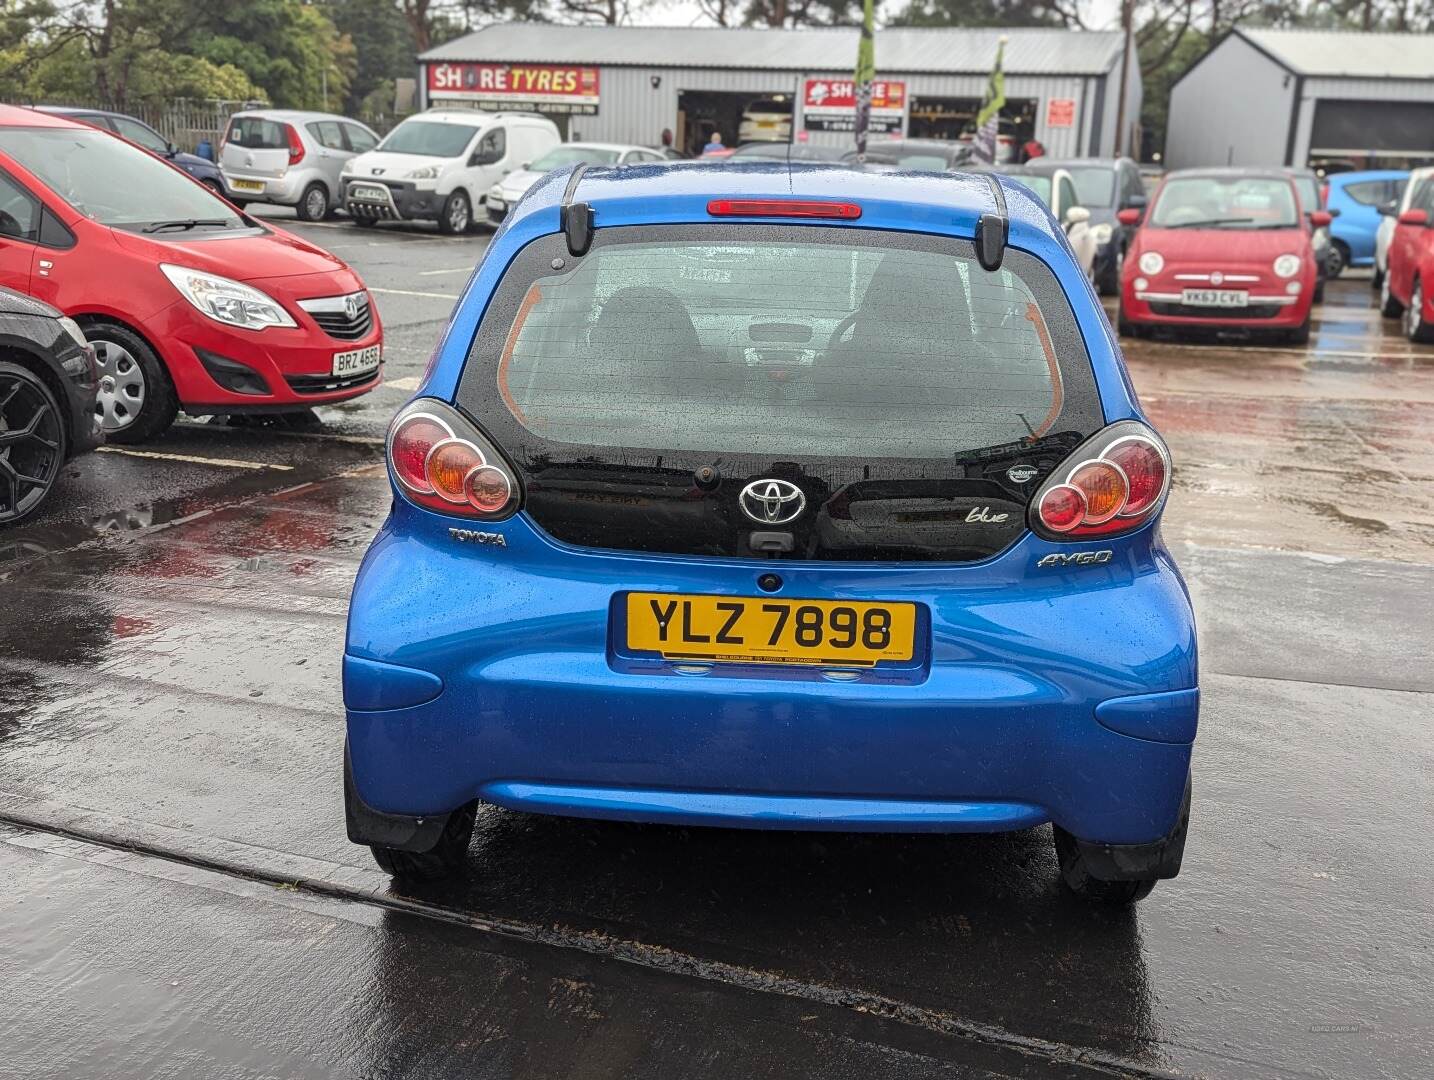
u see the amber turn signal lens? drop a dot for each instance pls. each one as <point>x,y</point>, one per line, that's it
<point>449,464</point>
<point>1104,487</point>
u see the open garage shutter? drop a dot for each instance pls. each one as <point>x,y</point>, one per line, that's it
<point>1405,127</point>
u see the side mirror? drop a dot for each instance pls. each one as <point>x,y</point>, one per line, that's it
<point>1129,216</point>
<point>1077,214</point>
<point>1334,213</point>
<point>1415,217</point>
<point>527,165</point>
<point>1321,219</point>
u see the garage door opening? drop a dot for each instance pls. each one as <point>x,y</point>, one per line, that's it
<point>1350,135</point>
<point>955,118</point>
<point>767,114</point>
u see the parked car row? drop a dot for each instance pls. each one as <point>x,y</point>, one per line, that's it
<point>1407,288</point>
<point>151,294</point>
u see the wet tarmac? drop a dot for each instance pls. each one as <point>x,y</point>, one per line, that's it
<point>171,730</point>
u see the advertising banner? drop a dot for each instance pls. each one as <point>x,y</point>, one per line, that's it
<point>549,88</point>
<point>830,105</point>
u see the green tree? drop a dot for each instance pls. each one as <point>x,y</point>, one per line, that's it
<point>988,13</point>
<point>383,47</point>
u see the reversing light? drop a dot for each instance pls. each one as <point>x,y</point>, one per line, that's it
<point>808,208</point>
<point>1114,483</point>
<point>441,461</point>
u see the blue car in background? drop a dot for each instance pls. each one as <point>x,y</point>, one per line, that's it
<point>776,496</point>
<point>1355,198</point>
<point>140,133</point>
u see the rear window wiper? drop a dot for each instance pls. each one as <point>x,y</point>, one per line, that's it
<point>186,224</point>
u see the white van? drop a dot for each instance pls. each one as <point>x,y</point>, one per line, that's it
<point>439,165</point>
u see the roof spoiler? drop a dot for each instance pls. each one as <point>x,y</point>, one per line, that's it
<point>577,217</point>
<point>993,230</point>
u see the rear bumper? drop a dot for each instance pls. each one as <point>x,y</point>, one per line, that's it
<point>283,190</point>
<point>473,675</point>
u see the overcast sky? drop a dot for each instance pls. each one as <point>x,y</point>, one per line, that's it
<point>1099,15</point>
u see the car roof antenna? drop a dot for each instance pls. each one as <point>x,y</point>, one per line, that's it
<point>993,230</point>
<point>577,217</point>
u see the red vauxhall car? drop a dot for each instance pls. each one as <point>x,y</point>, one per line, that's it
<point>1409,283</point>
<point>189,303</point>
<point>1222,249</point>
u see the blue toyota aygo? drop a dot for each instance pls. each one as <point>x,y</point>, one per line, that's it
<point>782,497</point>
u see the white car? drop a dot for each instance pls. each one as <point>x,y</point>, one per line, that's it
<point>440,165</point>
<point>766,120</point>
<point>1390,217</point>
<point>1056,188</point>
<point>506,192</point>
<point>290,158</point>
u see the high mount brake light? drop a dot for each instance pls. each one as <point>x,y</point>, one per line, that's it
<point>1113,483</point>
<point>441,461</point>
<point>809,208</point>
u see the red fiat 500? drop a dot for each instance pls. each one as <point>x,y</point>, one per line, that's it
<point>1409,284</point>
<point>1222,249</point>
<point>189,303</point>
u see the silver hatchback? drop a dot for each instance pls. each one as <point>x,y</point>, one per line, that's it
<point>291,158</point>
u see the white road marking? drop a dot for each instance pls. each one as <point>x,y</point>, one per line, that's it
<point>410,292</point>
<point>409,383</point>
<point>224,463</point>
<point>455,270</point>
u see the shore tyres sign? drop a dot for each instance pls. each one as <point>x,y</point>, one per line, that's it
<point>830,105</point>
<point>549,88</point>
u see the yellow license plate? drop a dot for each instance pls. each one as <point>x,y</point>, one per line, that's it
<point>247,185</point>
<point>764,629</point>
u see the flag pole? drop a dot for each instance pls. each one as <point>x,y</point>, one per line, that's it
<point>865,73</point>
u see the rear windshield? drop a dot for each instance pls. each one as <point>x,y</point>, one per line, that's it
<point>256,133</point>
<point>1225,202</point>
<point>780,342</point>
<point>431,138</point>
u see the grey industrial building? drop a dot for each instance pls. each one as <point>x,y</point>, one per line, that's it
<point>628,84</point>
<point>1306,97</point>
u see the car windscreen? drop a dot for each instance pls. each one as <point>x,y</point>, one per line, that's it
<point>783,346</point>
<point>1095,184</point>
<point>112,181</point>
<point>256,133</point>
<point>431,138</point>
<point>1225,202</point>
<point>564,156</point>
<point>1041,185</point>
<point>1309,193</point>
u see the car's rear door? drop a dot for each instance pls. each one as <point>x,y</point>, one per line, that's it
<point>780,392</point>
<point>255,146</point>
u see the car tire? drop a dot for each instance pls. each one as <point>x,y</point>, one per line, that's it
<point>1109,283</point>
<point>1338,260</point>
<point>314,204</point>
<point>447,858</point>
<point>1077,879</point>
<point>1417,330</point>
<point>1377,281</point>
<point>28,405</point>
<point>457,215</point>
<point>138,402</point>
<point>1300,335</point>
<point>1319,292</point>
<point>1389,305</point>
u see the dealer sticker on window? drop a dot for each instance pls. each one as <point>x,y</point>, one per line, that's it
<point>357,361</point>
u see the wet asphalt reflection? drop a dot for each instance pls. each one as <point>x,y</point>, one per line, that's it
<point>171,730</point>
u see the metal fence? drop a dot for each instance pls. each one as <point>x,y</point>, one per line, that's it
<point>184,122</point>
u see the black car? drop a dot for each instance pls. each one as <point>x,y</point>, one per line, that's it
<point>916,155</point>
<point>48,388</point>
<point>141,134</point>
<point>1106,186</point>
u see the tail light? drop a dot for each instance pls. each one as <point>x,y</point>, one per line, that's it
<point>1114,483</point>
<point>441,461</point>
<point>296,144</point>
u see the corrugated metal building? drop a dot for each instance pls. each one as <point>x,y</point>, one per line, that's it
<point>628,84</point>
<point>1302,97</point>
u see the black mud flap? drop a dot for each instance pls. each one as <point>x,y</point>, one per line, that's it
<point>369,826</point>
<point>1138,862</point>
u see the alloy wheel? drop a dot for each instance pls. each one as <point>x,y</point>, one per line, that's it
<point>458,215</point>
<point>122,388</point>
<point>316,204</point>
<point>30,441</point>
